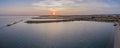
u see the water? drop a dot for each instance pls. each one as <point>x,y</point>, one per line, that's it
<point>77,34</point>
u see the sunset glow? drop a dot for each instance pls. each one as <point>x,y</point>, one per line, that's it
<point>70,7</point>
<point>53,13</point>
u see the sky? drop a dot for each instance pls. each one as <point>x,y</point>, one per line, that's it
<point>61,7</point>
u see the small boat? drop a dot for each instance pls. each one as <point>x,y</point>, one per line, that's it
<point>115,25</point>
<point>9,24</point>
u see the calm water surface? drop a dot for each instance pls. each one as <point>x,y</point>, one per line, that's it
<point>77,34</point>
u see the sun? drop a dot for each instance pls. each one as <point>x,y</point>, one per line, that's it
<point>53,13</point>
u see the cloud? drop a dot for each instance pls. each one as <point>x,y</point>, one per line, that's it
<point>55,4</point>
<point>73,4</point>
<point>61,6</point>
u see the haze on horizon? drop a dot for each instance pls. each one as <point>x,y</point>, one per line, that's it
<point>61,7</point>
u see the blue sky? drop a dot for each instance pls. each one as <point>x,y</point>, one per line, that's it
<point>41,7</point>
